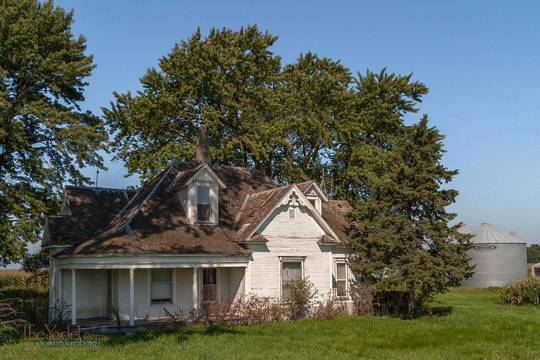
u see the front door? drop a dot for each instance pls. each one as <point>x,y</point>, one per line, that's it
<point>209,285</point>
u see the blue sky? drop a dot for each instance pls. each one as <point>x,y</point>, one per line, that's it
<point>480,60</point>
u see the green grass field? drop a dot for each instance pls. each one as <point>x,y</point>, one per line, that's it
<point>475,328</point>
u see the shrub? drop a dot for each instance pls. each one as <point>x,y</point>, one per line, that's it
<point>362,296</point>
<point>301,295</point>
<point>521,292</point>
<point>61,310</point>
<point>328,308</point>
<point>257,310</point>
<point>217,312</point>
<point>178,316</point>
<point>247,310</point>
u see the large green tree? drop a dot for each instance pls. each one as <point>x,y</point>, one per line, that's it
<point>404,242</point>
<point>45,138</point>
<point>224,82</point>
<point>315,101</point>
<point>363,144</point>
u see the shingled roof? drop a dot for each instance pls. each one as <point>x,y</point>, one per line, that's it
<point>87,212</point>
<point>153,220</point>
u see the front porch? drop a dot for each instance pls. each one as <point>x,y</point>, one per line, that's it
<point>96,294</point>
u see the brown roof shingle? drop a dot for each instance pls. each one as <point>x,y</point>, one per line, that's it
<point>91,210</point>
<point>153,220</point>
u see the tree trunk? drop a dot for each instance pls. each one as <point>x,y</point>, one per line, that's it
<point>410,305</point>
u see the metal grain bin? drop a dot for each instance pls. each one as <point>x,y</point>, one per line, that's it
<point>499,257</point>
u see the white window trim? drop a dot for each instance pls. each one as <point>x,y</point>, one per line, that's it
<point>196,207</point>
<point>283,259</point>
<point>149,287</point>
<point>317,205</point>
<point>334,276</point>
<point>213,212</point>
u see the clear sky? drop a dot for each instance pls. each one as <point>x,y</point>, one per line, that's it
<point>480,60</point>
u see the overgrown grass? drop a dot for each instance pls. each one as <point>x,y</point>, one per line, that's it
<point>473,326</point>
<point>27,293</point>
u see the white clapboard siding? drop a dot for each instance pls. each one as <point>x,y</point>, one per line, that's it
<point>290,237</point>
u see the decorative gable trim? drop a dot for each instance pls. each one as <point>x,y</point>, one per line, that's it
<point>296,198</point>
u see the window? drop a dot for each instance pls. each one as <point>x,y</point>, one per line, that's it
<point>209,284</point>
<point>341,279</point>
<point>292,213</point>
<point>290,271</point>
<point>316,202</point>
<point>161,286</point>
<point>203,203</point>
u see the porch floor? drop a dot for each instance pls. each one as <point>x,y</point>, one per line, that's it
<point>108,326</point>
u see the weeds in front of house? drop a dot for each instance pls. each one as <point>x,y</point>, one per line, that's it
<point>303,302</point>
<point>9,321</point>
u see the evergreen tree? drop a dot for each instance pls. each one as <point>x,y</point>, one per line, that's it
<point>404,243</point>
<point>44,136</point>
<point>363,142</point>
<point>533,254</point>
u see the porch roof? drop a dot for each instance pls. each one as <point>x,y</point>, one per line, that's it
<point>147,261</point>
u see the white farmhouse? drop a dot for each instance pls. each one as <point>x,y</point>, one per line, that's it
<point>196,232</point>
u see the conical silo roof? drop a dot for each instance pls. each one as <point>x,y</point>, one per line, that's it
<point>489,234</point>
<point>464,229</point>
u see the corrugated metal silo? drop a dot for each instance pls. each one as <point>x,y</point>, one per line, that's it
<point>499,257</point>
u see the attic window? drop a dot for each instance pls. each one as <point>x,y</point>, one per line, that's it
<point>292,213</point>
<point>203,203</point>
<point>315,202</point>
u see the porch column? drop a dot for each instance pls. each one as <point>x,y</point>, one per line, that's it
<point>73,297</point>
<point>131,296</point>
<point>60,286</point>
<point>195,289</point>
<point>53,290</point>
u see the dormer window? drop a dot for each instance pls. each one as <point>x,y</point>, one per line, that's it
<point>203,204</point>
<point>315,202</point>
<point>200,196</point>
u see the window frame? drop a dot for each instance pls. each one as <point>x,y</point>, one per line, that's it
<point>216,295</point>
<point>213,204</point>
<point>209,204</point>
<point>292,213</point>
<point>316,202</point>
<point>289,259</point>
<point>150,301</point>
<point>335,279</point>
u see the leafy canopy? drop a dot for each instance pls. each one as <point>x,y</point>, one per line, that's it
<point>44,136</point>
